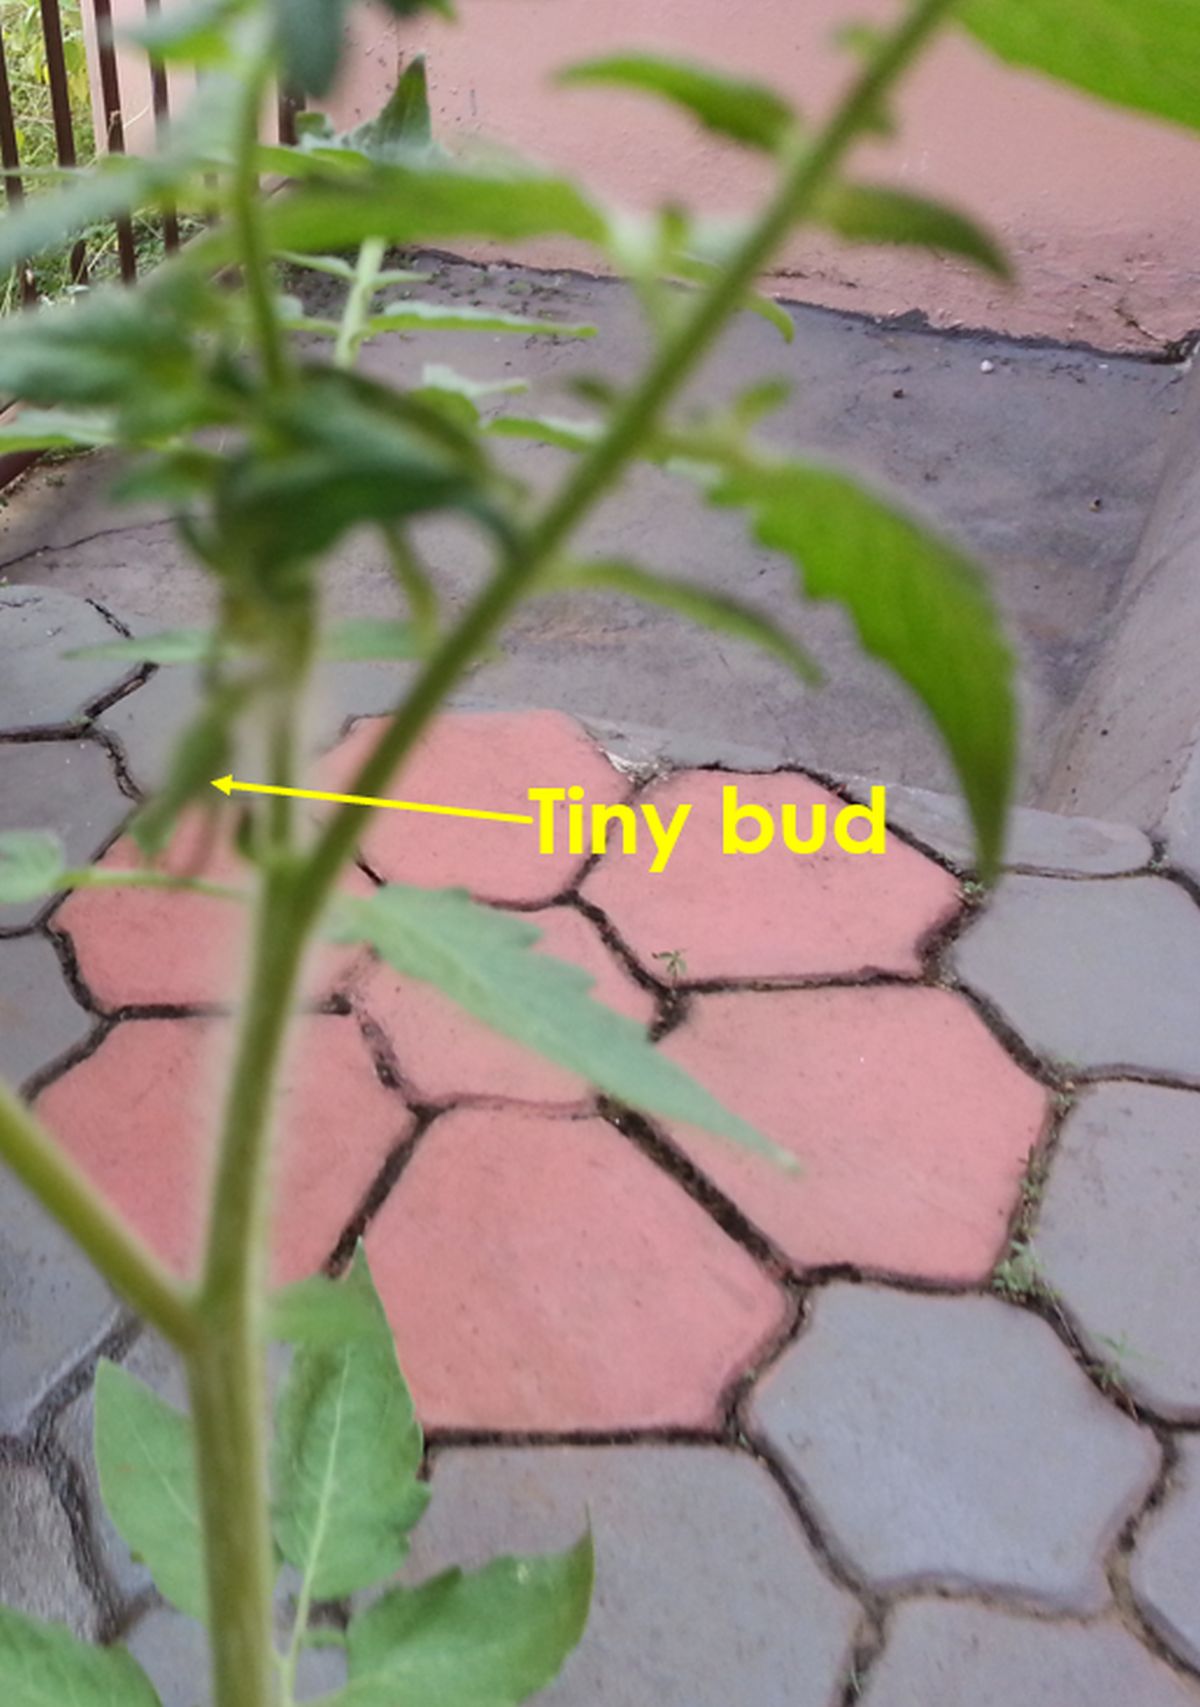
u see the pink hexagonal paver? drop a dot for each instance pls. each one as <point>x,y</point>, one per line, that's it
<point>442,1053</point>
<point>774,914</point>
<point>912,1124</point>
<point>488,761</point>
<point>138,1117</point>
<point>540,1273</point>
<point>146,947</point>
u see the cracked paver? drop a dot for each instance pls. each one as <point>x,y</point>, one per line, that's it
<point>775,914</point>
<point>602,1297</point>
<point>39,1019</point>
<point>953,1442</point>
<point>1118,1237</point>
<point>940,1654</point>
<point>1165,1568</point>
<point>66,787</point>
<point>1094,975</point>
<point>707,1591</point>
<point>40,687</point>
<point>911,1123</point>
<point>38,1570</point>
<point>137,1116</point>
<point>481,760</point>
<point>442,1053</point>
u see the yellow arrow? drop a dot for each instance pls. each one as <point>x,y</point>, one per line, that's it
<point>227,786</point>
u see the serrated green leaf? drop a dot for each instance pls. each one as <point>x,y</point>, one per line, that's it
<point>746,112</point>
<point>43,1665</point>
<point>701,605</point>
<point>487,1638</point>
<point>32,864</point>
<point>459,317</point>
<point>346,1453</point>
<point>56,429</point>
<point>874,213</point>
<point>310,42</point>
<point>1143,54</point>
<point>146,1460</point>
<point>919,604</point>
<point>483,960</point>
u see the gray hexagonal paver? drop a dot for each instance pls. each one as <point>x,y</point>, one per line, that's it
<point>953,1442</point>
<point>39,1018</point>
<point>940,1654</point>
<point>1164,1572</point>
<point>38,1574</point>
<point>706,1593</point>
<point>1093,974</point>
<point>148,723</point>
<point>39,686</point>
<point>53,1304</point>
<point>65,786</point>
<point>1118,1236</point>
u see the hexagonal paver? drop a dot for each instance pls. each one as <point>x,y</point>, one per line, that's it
<point>911,1123</point>
<point>773,914</point>
<point>144,947</point>
<point>53,1304</point>
<point>138,1117</point>
<point>39,1018</point>
<point>541,1273</point>
<point>65,786</point>
<point>488,761</point>
<point>443,1053</point>
<point>1165,1567</point>
<point>38,1572</point>
<point>39,686</point>
<point>1118,1237</point>
<point>942,1655</point>
<point>707,1592</point>
<point>953,1442</point>
<point>1103,974</point>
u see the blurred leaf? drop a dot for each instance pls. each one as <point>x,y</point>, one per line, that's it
<point>488,1638</point>
<point>553,430</point>
<point>55,429</point>
<point>709,609</point>
<point>147,1467</point>
<point>338,268</point>
<point>118,184</point>
<point>1143,54</point>
<point>346,1454</point>
<point>873,213</point>
<point>43,1665</point>
<point>310,42</point>
<point>483,960</point>
<point>918,603</point>
<point>32,864</point>
<point>404,124</point>
<point>747,112</point>
<point>198,34</point>
<point>368,639</point>
<point>455,317</point>
<point>172,646</point>
<point>347,451</point>
<point>436,376</point>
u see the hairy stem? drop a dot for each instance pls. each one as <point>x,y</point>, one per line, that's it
<point>46,1169</point>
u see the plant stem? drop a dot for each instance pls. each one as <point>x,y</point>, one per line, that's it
<point>46,1169</point>
<point>628,428</point>
<point>358,302</point>
<point>244,208</point>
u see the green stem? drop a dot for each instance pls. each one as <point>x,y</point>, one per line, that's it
<point>245,209</point>
<point>628,428</point>
<point>46,1169</point>
<point>418,588</point>
<point>358,302</point>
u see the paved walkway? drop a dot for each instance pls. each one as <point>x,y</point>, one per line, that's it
<point>916,1428</point>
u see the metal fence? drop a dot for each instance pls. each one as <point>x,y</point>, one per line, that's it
<point>93,110</point>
